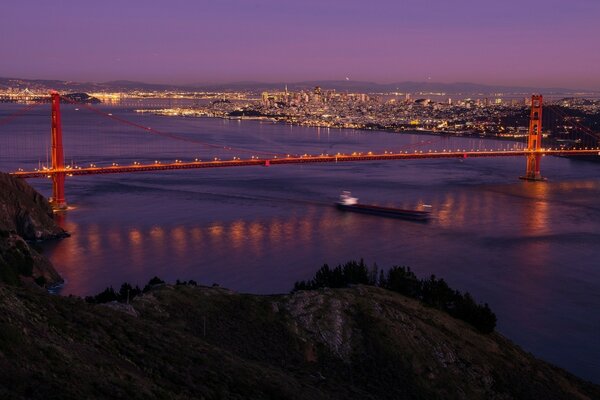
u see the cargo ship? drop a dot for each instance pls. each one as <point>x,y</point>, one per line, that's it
<point>349,203</point>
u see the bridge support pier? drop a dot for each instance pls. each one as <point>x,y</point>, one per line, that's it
<point>534,143</point>
<point>533,168</point>
<point>57,201</point>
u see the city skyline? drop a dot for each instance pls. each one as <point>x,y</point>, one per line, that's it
<point>534,43</point>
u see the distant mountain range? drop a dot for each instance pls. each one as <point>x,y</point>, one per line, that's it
<point>339,85</point>
<point>372,87</point>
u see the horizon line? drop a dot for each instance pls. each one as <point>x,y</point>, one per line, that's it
<point>302,81</point>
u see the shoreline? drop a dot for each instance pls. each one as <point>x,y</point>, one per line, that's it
<point>275,121</point>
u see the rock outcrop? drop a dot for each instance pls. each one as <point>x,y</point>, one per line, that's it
<point>25,215</point>
<point>20,262</point>
<point>25,212</point>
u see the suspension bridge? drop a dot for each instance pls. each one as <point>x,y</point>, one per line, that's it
<point>58,170</point>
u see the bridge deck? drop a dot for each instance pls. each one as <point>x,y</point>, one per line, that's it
<point>306,159</point>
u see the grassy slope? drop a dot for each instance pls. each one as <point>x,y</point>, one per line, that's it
<point>348,343</point>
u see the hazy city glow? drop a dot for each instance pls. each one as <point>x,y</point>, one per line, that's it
<point>548,43</point>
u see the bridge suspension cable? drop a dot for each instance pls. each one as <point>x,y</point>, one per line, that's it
<point>586,130</point>
<point>9,118</point>
<point>170,135</point>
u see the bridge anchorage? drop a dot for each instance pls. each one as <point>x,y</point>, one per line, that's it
<point>534,143</point>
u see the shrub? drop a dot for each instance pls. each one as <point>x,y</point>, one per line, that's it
<point>105,296</point>
<point>351,273</point>
<point>128,292</point>
<point>153,282</point>
<point>125,294</point>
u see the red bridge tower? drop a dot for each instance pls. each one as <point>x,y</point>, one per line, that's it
<point>57,201</point>
<point>534,144</point>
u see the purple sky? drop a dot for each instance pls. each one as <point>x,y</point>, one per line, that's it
<point>526,42</point>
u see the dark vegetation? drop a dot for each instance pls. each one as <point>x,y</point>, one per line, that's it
<point>432,292</point>
<point>127,292</point>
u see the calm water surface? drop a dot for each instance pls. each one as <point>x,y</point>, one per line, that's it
<point>530,250</point>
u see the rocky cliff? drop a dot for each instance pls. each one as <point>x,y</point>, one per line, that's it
<point>188,342</point>
<point>25,212</point>
<point>25,215</point>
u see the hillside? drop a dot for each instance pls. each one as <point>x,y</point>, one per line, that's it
<point>184,342</point>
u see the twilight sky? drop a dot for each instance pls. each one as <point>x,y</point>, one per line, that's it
<point>540,43</point>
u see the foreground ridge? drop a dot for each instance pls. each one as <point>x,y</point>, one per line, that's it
<point>190,341</point>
